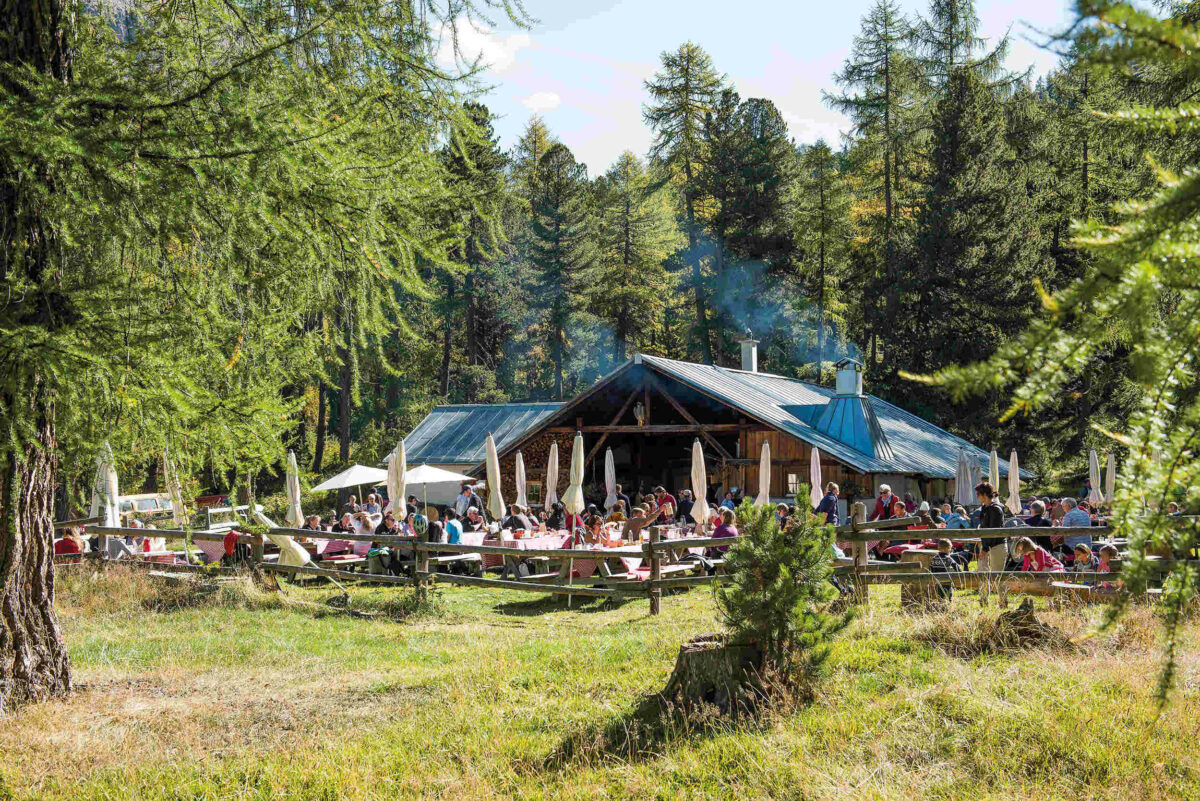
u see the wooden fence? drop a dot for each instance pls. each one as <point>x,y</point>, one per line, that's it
<point>659,554</point>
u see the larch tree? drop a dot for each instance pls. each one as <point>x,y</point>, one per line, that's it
<point>179,199</point>
<point>880,83</point>
<point>823,232</point>
<point>682,93</point>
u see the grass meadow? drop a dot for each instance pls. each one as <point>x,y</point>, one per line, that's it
<point>249,694</point>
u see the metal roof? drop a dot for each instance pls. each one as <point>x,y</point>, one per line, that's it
<point>457,434</point>
<point>818,415</point>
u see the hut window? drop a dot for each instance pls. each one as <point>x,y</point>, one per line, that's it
<point>533,493</point>
<point>793,483</point>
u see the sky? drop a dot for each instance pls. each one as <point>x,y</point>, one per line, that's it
<point>582,63</point>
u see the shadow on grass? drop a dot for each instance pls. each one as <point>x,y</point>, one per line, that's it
<point>558,603</point>
<point>642,733</point>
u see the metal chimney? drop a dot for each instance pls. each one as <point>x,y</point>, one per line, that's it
<point>749,352</point>
<point>849,377</point>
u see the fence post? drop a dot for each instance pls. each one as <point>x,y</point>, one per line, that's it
<point>421,561</point>
<point>858,516</point>
<point>256,550</point>
<point>655,572</point>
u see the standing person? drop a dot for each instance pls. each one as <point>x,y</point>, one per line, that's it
<point>621,496</point>
<point>1085,490</point>
<point>910,503</point>
<point>883,504</point>
<point>466,499</point>
<point>781,516</point>
<point>666,505</point>
<point>372,505</point>
<point>829,504</point>
<point>684,508</point>
<point>352,506</point>
<point>991,515</point>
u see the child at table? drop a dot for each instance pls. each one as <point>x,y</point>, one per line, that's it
<point>1085,560</point>
<point>1035,559</point>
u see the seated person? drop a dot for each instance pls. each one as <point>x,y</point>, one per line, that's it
<point>454,529</point>
<point>617,513</point>
<point>312,523</point>
<point>1107,554</point>
<point>70,543</point>
<point>1085,560</point>
<point>557,518</point>
<point>944,561</point>
<point>726,528</point>
<point>1035,559</point>
<point>388,525</point>
<point>594,531</point>
<point>641,517</point>
<point>517,520</point>
<point>956,519</point>
<point>345,525</point>
<point>684,507</point>
<point>474,521</point>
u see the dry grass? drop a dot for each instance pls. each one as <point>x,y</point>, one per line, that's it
<point>248,695</point>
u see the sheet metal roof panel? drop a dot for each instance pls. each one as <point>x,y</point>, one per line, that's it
<point>456,434</point>
<point>794,406</point>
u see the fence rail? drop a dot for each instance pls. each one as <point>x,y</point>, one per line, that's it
<point>656,554</point>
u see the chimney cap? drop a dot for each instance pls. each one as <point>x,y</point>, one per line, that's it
<point>846,362</point>
<point>748,336</point>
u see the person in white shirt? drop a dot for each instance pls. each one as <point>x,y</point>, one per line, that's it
<point>465,500</point>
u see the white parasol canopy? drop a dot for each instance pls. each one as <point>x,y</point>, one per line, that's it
<point>573,499</point>
<point>764,475</point>
<point>397,481</point>
<point>815,493</point>
<point>1014,484</point>
<point>963,488</point>
<point>105,492</point>
<point>552,477</point>
<point>699,484</point>
<point>358,475</point>
<point>428,474</point>
<point>495,504</point>
<point>522,501</point>
<point>175,491</point>
<point>994,470</point>
<point>1110,477</point>
<point>295,515</point>
<point>1095,496</point>
<point>610,480</point>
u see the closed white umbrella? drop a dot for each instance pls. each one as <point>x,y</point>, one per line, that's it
<point>814,477</point>
<point>520,481</point>
<point>290,551</point>
<point>994,470</point>
<point>295,515</point>
<point>1014,484</point>
<point>1110,477</point>
<point>610,480</point>
<point>573,499</point>
<point>1095,496</point>
<point>397,481</point>
<point>105,492</point>
<point>963,492</point>
<point>552,477</point>
<point>495,504</point>
<point>699,484</point>
<point>764,475</point>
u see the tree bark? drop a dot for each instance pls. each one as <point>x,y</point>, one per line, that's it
<point>33,655</point>
<point>322,433</point>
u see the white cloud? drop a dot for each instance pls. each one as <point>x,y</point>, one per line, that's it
<point>497,52</point>
<point>807,131</point>
<point>542,101</point>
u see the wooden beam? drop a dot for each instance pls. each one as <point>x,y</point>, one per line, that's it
<point>616,419</point>
<point>651,381</point>
<point>659,429</point>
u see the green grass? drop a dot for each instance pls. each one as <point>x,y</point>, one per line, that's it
<point>506,695</point>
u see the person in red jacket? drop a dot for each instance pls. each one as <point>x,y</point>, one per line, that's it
<point>883,504</point>
<point>1036,559</point>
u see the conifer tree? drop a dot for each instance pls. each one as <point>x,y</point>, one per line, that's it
<point>562,248</point>
<point>880,95</point>
<point>970,283</point>
<point>777,583</point>
<point>949,41</point>
<point>637,233</point>
<point>823,232</point>
<point>682,93</point>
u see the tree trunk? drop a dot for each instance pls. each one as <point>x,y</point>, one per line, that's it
<point>447,340</point>
<point>322,433</point>
<point>706,350</point>
<point>33,655</point>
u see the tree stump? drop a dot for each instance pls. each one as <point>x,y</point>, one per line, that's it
<point>711,671</point>
<point>1020,628</point>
